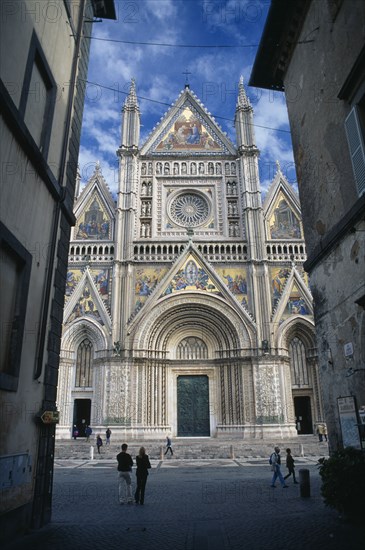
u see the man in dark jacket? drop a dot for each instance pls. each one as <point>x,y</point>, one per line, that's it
<point>125,463</point>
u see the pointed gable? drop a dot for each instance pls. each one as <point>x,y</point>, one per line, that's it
<point>94,210</point>
<point>295,297</point>
<point>282,210</point>
<point>187,128</point>
<point>191,273</point>
<point>86,302</point>
<point>101,276</point>
<point>191,276</point>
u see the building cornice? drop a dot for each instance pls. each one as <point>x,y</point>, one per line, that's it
<point>279,39</point>
<point>336,234</point>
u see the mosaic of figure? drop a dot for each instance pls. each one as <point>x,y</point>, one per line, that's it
<point>296,304</point>
<point>188,133</point>
<point>283,223</point>
<point>85,307</point>
<point>73,277</point>
<point>94,223</point>
<point>191,277</point>
<point>236,282</point>
<point>101,279</point>
<point>278,280</point>
<point>146,280</point>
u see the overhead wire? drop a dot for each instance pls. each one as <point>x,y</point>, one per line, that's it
<point>142,98</point>
<point>167,45</point>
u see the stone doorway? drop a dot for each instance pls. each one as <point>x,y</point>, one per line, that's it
<point>303,415</point>
<point>193,406</point>
<point>81,417</point>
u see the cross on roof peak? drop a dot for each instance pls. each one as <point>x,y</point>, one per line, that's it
<point>186,73</point>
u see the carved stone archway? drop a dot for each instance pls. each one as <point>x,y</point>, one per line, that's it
<point>224,336</point>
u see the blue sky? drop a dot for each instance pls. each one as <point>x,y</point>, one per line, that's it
<point>158,71</point>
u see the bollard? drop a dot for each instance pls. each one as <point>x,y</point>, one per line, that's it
<point>231,452</point>
<point>161,453</point>
<point>91,453</point>
<point>301,450</point>
<point>304,483</point>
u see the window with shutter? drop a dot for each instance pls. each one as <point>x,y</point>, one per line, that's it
<point>354,133</point>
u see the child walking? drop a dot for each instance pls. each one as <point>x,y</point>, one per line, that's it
<point>290,465</point>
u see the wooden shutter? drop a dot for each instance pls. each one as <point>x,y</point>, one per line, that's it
<point>357,149</point>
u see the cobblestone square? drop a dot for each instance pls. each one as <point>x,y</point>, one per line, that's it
<point>189,505</point>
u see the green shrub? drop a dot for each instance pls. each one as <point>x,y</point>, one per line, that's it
<point>343,482</point>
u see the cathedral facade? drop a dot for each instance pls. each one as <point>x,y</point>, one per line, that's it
<point>188,311</point>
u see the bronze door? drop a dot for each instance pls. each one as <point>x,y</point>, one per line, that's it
<point>193,406</point>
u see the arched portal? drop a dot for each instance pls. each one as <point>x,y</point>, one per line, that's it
<point>297,337</point>
<point>79,376</point>
<point>191,356</point>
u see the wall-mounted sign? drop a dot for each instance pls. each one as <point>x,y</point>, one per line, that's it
<point>348,349</point>
<point>349,422</point>
<point>50,417</point>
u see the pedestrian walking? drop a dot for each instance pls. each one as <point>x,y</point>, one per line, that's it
<point>290,465</point>
<point>75,432</point>
<point>275,461</point>
<point>125,463</point>
<point>108,433</point>
<point>88,432</point>
<point>99,443</point>
<point>325,432</point>
<point>168,445</point>
<point>143,465</point>
<point>320,432</point>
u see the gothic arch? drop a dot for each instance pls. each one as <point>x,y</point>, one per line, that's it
<point>81,329</point>
<point>175,318</point>
<point>299,327</point>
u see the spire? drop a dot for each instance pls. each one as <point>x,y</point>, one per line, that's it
<point>131,119</point>
<point>131,99</point>
<point>244,119</point>
<point>242,102</point>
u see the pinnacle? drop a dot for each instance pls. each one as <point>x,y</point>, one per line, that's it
<point>243,100</point>
<point>131,99</point>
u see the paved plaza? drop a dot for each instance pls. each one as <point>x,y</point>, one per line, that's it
<point>213,504</point>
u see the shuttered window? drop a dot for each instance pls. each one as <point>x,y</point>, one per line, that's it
<point>356,145</point>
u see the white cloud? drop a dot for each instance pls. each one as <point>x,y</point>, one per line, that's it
<point>88,158</point>
<point>163,11</point>
<point>159,75</point>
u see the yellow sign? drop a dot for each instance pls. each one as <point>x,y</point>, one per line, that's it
<point>50,417</point>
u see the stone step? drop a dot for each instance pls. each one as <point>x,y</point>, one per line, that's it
<point>194,449</point>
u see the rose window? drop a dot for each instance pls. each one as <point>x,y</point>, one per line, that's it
<point>189,210</point>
